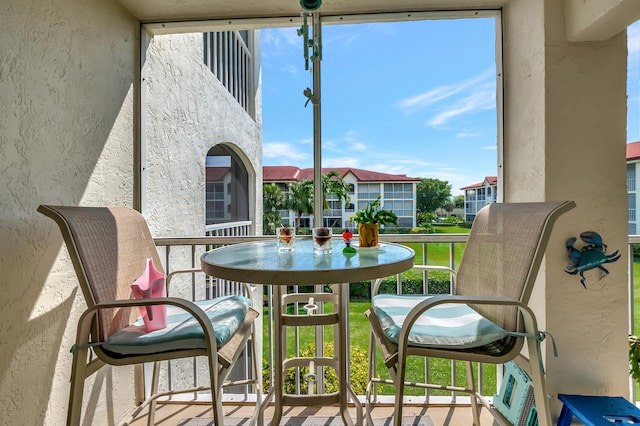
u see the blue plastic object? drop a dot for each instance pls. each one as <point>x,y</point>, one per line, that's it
<point>598,410</point>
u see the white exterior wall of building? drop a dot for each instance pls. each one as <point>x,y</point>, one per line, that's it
<point>633,172</point>
<point>188,111</point>
<point>477,198</point>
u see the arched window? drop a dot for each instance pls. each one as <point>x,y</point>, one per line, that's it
<point>227,186</point>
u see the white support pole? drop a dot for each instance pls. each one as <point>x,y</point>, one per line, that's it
<point>318,206</point>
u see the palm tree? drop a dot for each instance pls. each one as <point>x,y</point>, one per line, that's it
<point>273,200</point>
<point>300,199</point>
<point>332,183</point>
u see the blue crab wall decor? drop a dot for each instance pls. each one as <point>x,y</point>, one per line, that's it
<point>592,255</point>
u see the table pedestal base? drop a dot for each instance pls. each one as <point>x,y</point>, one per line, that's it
<point>340,301</point>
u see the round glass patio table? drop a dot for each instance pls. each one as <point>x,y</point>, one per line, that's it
<point>261,263</point>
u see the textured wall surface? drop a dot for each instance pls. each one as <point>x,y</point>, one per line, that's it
<point>66,137</point>
<point>188,111</point>
<point>565,134</point>
<point>67,74</point>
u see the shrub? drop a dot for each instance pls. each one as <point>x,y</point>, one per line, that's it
<point>358,372</point>
<point>438,283</point>
<point>424,228</point>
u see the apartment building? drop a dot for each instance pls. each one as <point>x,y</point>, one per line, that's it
<point>398,194</point>
<point>633,171</point>
<point>478,195</point>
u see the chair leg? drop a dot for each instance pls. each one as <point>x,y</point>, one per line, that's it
<point>474,400</point>
<point>370,385</point>
<point>399,379</point>
<point>539,385</point>
<point>216,390</point>
<point>78,375</point>
<point>256,376</point>
<point>154,388</point>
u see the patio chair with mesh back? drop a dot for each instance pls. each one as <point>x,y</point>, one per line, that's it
<point>485,319</point>
<point>109,248</point>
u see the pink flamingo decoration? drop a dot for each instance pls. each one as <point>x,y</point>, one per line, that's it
<point>151,284</point>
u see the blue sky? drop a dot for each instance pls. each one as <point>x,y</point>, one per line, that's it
<point>414,98</point>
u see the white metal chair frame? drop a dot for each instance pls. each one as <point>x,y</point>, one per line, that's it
<point>127,231</point>
<point>526,329</point>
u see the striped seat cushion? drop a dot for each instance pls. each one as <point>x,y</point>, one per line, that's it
<point>183,331</point>
<point>450,326</point>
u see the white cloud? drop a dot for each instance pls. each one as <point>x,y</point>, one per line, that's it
<point>352,139</point>
<point>423,100</point>
<point>279,43</point>
<point>349,142</point>
<point>330,145</point>
<point>340,41</point>
<point>463,135</point>
<point>279,40</point>
<point>358,146</point>
<point>286,153</point>
<point>481,100</point>
<point>352,162</point>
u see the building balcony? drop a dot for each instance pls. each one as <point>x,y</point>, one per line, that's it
<point>441,408</point>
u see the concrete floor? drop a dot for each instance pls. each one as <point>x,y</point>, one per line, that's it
<point>172,414</point>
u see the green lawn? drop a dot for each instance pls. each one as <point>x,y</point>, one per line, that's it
<point>438,253</point>
<point>636,296</point>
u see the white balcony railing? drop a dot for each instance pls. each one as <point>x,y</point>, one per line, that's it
<point>241,228</point>
<point>185,252</point>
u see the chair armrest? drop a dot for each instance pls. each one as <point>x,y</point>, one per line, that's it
<point>435,268</point>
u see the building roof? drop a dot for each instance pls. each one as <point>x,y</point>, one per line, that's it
<point>216,173</point>
<point>280,173</point>
<point>489,180</point>
<point>633,151</point>
<point>290,173</point>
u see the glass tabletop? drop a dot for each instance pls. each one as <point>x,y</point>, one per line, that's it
<point>262,263</point>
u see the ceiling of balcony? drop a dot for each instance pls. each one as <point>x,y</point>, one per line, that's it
<point>181,10</point>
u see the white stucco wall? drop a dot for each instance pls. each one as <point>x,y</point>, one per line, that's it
<point>187,112</point>
<point>66,137</point>
<point>565,109</point>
